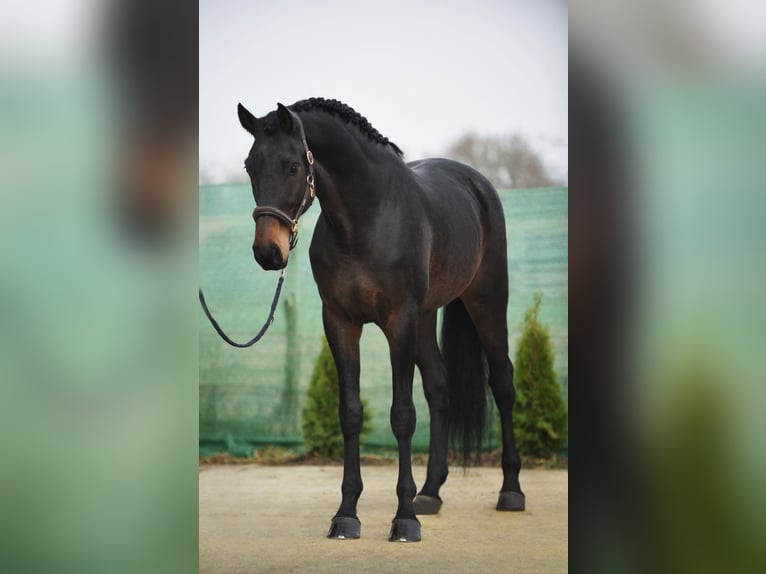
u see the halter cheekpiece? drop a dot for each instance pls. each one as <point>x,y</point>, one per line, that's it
<point>308,195</point>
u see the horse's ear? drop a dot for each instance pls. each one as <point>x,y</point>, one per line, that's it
<point>248,120</point>
<point>285,118</point>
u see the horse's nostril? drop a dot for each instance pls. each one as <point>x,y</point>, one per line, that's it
<point>276,254</point>
<point>269,257</point>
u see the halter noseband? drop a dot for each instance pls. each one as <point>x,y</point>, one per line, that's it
<point>308,195</point>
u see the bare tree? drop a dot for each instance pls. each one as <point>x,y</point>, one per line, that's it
<point>508,162</point>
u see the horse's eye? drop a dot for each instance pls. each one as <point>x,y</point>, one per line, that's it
<point>293,168</point>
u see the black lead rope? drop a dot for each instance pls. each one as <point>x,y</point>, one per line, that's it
<point>263,330</point>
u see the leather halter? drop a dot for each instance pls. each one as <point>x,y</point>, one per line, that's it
<point>308,195</point>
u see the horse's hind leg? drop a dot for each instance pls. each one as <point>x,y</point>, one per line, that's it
<point>431,366</point>
<point>486,301</point>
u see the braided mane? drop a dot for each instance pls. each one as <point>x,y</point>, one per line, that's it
<point>348,114</point>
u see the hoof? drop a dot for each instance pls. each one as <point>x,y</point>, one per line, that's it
<point>405,530</point>
<point>343,527</point>
<point>510,501</point>
<point>427,504</point>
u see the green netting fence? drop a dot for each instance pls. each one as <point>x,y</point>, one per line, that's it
<point>254,396</point>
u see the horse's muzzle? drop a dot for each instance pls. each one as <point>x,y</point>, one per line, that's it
<point>269,257</point>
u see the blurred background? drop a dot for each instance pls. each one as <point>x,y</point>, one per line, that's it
<point>667,118</point>
<point>98,336</point>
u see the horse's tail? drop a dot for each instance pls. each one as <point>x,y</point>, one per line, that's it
<point>466,380</point>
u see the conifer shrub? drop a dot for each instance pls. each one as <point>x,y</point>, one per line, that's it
<point>320,421</point>
<point>540,416</point>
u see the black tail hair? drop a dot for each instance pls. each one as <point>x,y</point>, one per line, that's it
<point>465,364</point>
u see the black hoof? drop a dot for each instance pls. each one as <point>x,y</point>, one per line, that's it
<point>405,530</point>
<point>510,501</point>
<point>343,527</point>
<point>426,504</point>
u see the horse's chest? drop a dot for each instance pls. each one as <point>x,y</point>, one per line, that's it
<point>359,295</point>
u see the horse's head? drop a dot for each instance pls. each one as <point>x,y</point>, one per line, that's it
<point>280,173</point>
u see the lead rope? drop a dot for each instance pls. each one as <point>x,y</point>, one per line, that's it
<point>263,330</point>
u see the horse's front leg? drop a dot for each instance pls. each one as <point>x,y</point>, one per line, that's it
<point>343,338</point>
<point>401,331</point>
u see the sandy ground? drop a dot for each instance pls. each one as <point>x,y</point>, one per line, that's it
<point>274,519</point>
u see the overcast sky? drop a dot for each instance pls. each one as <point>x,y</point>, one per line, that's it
<point>422,71</point>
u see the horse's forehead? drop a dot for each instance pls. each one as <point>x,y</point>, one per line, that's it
<point>270,144</point>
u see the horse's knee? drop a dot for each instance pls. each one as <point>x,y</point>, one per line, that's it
<point>351,417</point>
<point>403,421</point>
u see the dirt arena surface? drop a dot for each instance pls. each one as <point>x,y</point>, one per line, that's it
<point>275,518</point>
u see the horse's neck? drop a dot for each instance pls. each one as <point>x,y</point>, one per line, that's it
<point>352,184</point>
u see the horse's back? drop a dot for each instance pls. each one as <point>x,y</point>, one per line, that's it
<point>449,180</point>
<point>455,191</point>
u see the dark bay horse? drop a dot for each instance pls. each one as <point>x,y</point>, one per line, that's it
<point>395,241</point>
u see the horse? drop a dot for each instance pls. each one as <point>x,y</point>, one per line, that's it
<point>394,243</point>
